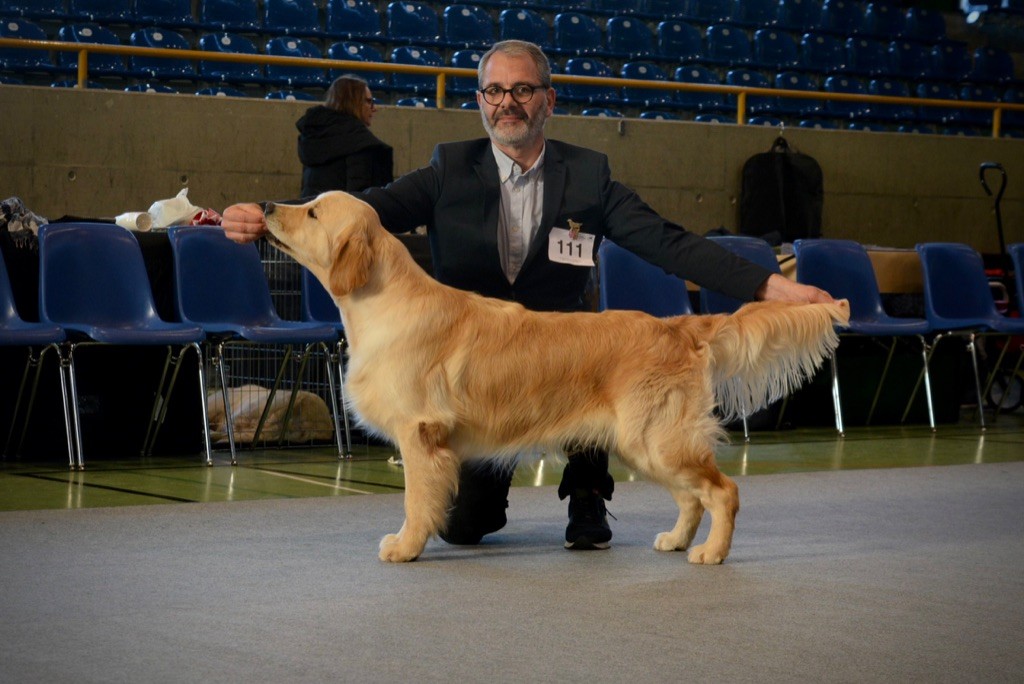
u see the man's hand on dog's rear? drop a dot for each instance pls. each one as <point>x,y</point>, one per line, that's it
<point>782,289</point>
<point>244,222</point>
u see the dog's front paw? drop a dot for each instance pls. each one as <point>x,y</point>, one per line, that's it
<point>703,555</point>
<point>666,541</point>
<point>393,551</point>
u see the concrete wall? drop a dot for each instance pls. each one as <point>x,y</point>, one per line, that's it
<point>100,153</point>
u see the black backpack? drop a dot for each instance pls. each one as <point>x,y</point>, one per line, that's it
<point>781,195</point>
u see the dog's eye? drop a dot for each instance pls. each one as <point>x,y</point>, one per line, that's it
<point>311,212</point>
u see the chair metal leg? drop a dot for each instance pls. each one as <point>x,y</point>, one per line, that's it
<point>836,403</point>
<point>329,368</point>
<point>228,421</point>
<point>927,385</point>
<point>202,403</point>
<point>304,360</point>
<point>160,399</point>
<point>344,401</point>
<point>972,347</point>
<point>270,398</point>
<point>68,367</point>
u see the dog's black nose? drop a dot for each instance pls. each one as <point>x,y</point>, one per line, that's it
<point>267,207</point>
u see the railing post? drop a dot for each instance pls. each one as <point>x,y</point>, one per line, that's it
<point>741,108</point>
<point>83,68</point>
<point>440,91</point>
<point>997,121</point>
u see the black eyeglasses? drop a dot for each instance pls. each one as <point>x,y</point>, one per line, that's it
<point>521,93</point>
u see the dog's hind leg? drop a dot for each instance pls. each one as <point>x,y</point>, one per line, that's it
<point>690,513</point>
<point>431,477</point>
<point>719,495</point>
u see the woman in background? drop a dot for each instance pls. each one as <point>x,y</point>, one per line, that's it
<point>336,147</point>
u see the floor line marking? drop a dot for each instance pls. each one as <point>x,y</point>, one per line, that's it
<point>314,482</point>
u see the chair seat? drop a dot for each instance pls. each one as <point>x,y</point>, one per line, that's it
<point>890,326</point>
<point>1010,326</point>
<point>283,332</point>
<point>157,333</point>
<point>17,332</point>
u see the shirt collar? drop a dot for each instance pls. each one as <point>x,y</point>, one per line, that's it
<point>507,166</point>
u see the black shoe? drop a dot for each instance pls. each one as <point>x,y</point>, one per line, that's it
<point>588,522</point>
<point>479,508</point>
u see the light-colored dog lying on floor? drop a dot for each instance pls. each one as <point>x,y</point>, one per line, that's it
<point>449,375</point>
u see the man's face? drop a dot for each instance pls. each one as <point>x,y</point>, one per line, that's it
<point>510,123</point>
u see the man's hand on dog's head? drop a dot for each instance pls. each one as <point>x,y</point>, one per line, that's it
<point>244,222</point>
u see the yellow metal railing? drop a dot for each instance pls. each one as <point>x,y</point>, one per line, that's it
<point>441,73</point>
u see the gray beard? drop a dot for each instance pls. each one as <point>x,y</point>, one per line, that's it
<point>522,136</point>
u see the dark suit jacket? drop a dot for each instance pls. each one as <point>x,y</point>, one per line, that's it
<point>457,198</point>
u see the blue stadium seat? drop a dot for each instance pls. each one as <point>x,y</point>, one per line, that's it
<point>577,34</point>
<point>798,107</point>
<point>629,38</point>
<point>869,126</point>
<point>920,129</point>
<point>665,9</point>
<point>229,72</point>
<point>755,14</point>
<point>161,68</point>
<point>613,7</point>
<point>951,61</point>
<point>866,56</point>
<point>799,16</point>
<point>710,11</point>
<point>756,104</point>
<point>291,17</point>
<point>978,93</point>
<point>468,26</point>
<point>775,50</point>
<point>590,94</point>
<point>715,118</point>
<point>71,83</point>
<point>602,112</point>
<point>766,120</point>
<point>925,25</point>
<point>150,88</point>
<point>841,17</point>
<point>462,85</point>
<point>166,13</point>
<point>892,113</point>
<point>294,76</point>
<point>727,45</point>
<point>412,23</point>
<point>101,11</point>
<point>645,97</point>
<point>416,56</point>
<point>883,21</point>
<point>696,101</point>
<point>818,124</point>
<point>358,52</point>
<point>353,20</point>
<point>1013,95</point>
<point>658,115</point>
<point>24,61</point>
<point>290,95</point>
<point>938,114</point>
<point>679,41</point>
<point>842,109</point>
<point>992,65</point>
<point>221,91</point>
<point>229,15</point>
<point>99,64</point>
<point>35,9</point>
<point>823,54</point>
<point>908,60</point>
<point>524,24</point>
<point>417,102</point>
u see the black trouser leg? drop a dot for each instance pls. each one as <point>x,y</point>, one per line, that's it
<point>480,504</point>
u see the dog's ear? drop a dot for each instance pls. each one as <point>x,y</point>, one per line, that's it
<point>352,260</point>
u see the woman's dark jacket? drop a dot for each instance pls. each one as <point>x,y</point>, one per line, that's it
<point>338,152</point>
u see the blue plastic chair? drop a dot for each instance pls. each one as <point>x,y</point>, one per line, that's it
<point>846,109</point>
<point>775,50</point>
<point>628,282</point>
<point>524,24</point>
<point>467,26</point>
<point>645,97</point>
<point>866,57</point>
<point>165,13</point>
<point>752,249</point>
<point>799,16</point>
<point>88,33</point>
<point>754,14</point>
<point>221,91</point>
<point>294,76</point>
<point>358,52</point>
<point>791,106</point>
<point>695,101</point>
<point>229,15</point>
<point>883,20</point>
<point>629,38</point>
<point>24,61</point>
<point>822,54</point>
<point>841,17</point>
<point>221,287</point>
<point>958,302</point>
<point>290,95</point>
<point>602,113</point>
<point>710,11</point>
<point>93,284</point>
<point>577,34</point>
<point>679,41</point>
<point>150,88</point>
<point>412,23</point>
<point>353,20</point>
<point>891,113</point>
<point>229,72</point>
<point>925,25</point>
<point>413,82</point>
<point>292,17</point>
<point>908,60</point>
<point>937,114</point>
<point>951,62</point>
<point>992,65</point>
<point>36,9</point>
<point>756,104</point>
<point>417,102</point>
<point>727,45</point>
<point>16,332</point>
<point>318,307</point>
<point>101,11</point>
<point>590,94</point>
<point>162,68</point>
<point>844,269</point>
<point>977,93</point>
<point>464,85</point>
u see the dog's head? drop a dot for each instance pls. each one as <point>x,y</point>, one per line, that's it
<point>330,235</point>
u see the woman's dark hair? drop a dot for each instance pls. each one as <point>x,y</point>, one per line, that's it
<point>347,94</point>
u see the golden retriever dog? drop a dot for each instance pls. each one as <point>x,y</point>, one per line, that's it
<point>449,375</point>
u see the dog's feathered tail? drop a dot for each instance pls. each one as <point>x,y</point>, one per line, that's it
<point>767,349</point>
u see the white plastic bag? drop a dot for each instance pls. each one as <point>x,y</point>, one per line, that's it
<point>174,211</point>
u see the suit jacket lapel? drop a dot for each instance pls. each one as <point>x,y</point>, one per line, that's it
<point>487,171</point>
